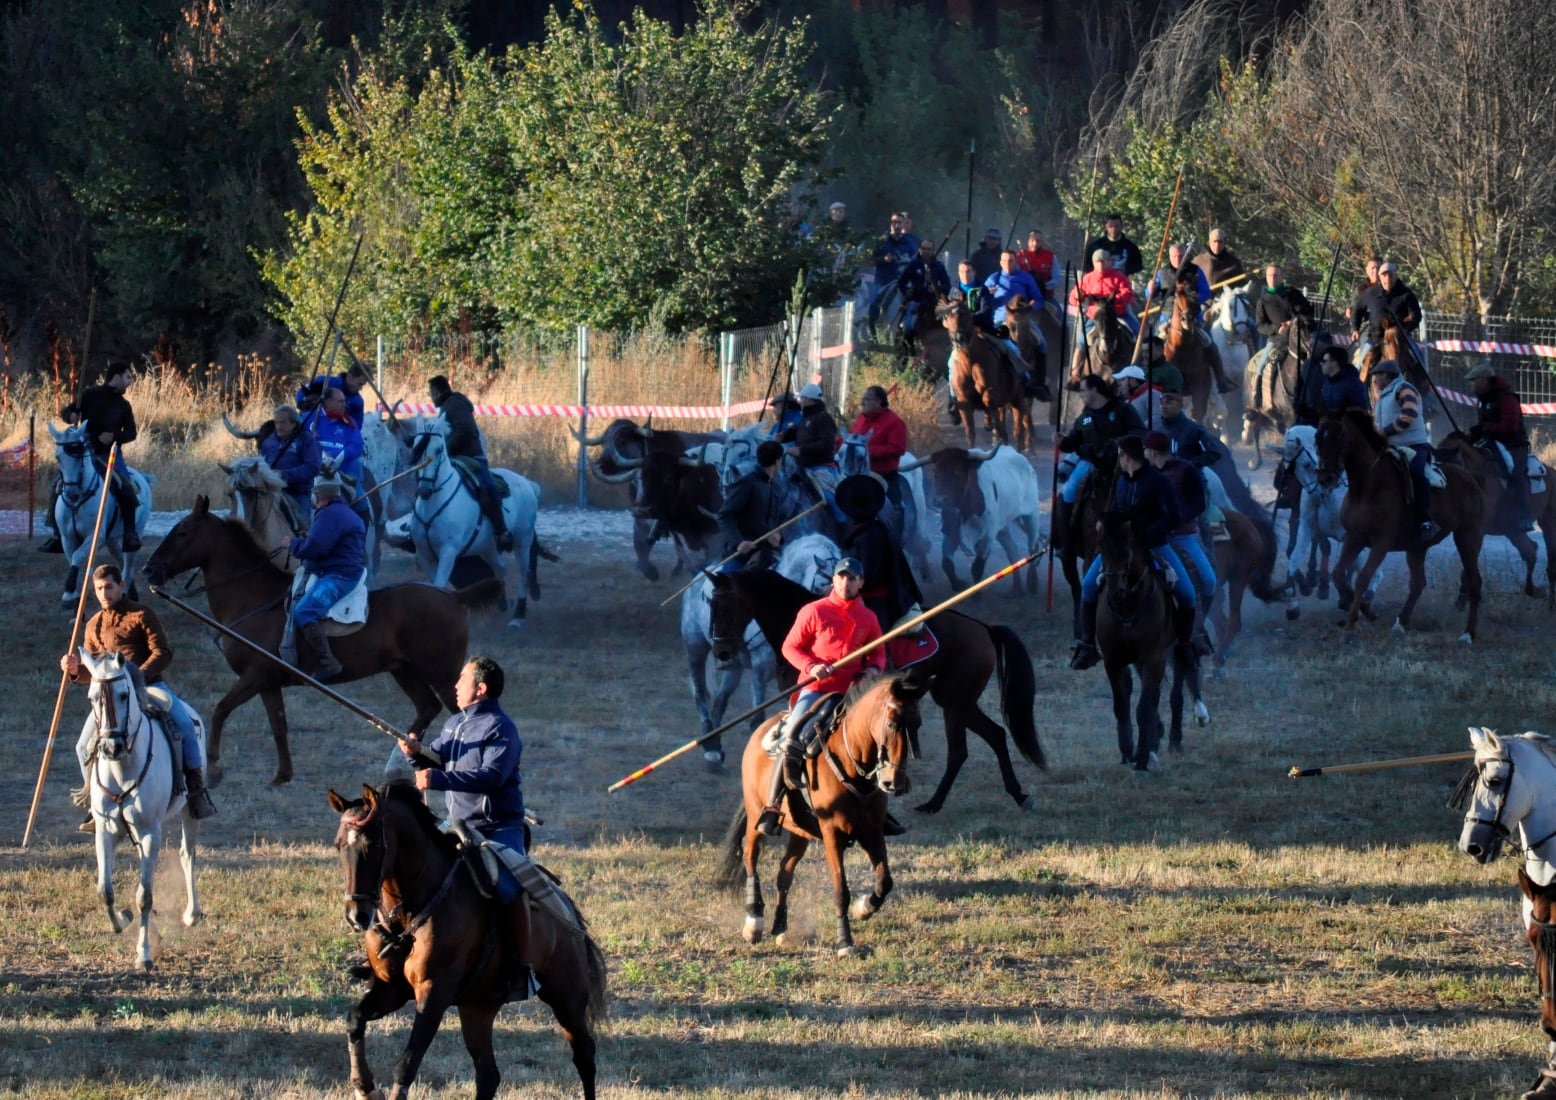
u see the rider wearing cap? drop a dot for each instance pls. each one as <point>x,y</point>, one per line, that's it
<point>1501,420</point>
<point>1105,419</point>
<point>1189,485</point>
<point>1144,496</point>
<point>1144,398</point>
<point>825,631</point>
<point>1397,410</point>
<point>332,552</point>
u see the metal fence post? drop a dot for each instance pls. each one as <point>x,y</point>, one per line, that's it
<point>380,364</point>
<point>815,345</point>
<point>583,416</point>
<point>726,372</point>
<point>848,341</point>
<point>843,367</point>
<point>32,469</point>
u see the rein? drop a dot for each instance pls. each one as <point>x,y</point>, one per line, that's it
<point>108,722</point>
<point>1122,594</point>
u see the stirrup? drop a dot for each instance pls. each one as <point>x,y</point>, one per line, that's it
<point>769,824</point>
<point>1084,655</point>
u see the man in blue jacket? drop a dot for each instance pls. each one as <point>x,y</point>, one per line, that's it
<point>480,752</point>
<point>332,553</point>
<point>311,396</point>
<point>340,444</point>
<point>293,453</point>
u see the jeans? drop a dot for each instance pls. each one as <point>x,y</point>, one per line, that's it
<point>315,604</point>
<point>1191,549</point>
<point>1072,484</point>
<point>1164,555</point>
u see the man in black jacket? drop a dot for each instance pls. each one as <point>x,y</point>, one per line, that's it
<point>464,441</point>
<point>1123,253</point>
<point>1277,310</point>
<point>110,422</point>
<point>750,511</point>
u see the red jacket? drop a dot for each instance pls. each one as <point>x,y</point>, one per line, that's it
<point>1039,264</point>
<point>1501,417</point>
<point>888,444</point>
<point>1095,284</point>
<point>828,629</point>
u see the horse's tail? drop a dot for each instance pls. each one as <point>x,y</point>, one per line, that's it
<point>1018,692</point>
<point>598,1007</point>
<point>541,551</point>
<point>732,865</point>
<point>483,593</point>
<point>1260,583</point>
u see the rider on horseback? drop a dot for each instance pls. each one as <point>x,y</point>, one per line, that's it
<point>1180,274</point>
<point>814,443</point>
<point>1106,419</point>
<point>1144,496</point>
<point>464,441</point>
<point>110,421</point>
<point>1343,388</point>
<point>1189,486</point>
<point>293,453</point>
<point>332,553</point>
<point>311,395</point>
<point>1501,420</point>
<point>1278,310</point>
<point>480,750</point>
<point>824,631</point>
<point>888,443</point>
<point>1391,297</point>
<point>922,283</point>
<point>750,511</point>
<point>134,631</point>
<point>1397,410</point>
<point>1218,262</point>
<point>340,445</point>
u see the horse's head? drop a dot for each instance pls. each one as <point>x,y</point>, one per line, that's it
<point>72,451</point>
<point>853,454</point>
<point>115,701</point>
<point>187,546</point>
<point>957,319</point>
<point>249,480</point>
<point>429,450</point>
<point>880,731</point>
<point>809,561</point>
<point>1497,795</point>
<point>730,613</point>
<point>1329,445</point>
<point>364,853</point>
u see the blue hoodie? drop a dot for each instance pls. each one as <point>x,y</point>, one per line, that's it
<point>480,749</point>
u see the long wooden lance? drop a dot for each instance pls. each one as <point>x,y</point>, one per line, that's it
<point>1222,285</point>
<point>737,554</point>
<point>1379,765</point>
<point>1150,288</point>
<point>75,636</point>
<point>391,480</point>
<point>805,681</point>
<point>357,361</point>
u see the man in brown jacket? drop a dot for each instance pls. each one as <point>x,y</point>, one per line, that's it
<point>134,631</point>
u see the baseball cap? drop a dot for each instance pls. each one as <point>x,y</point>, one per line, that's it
<point>1157,441</point>
<point>1481,370</point>
<point>1388,265</point>
<point>1386,366</point>
<point>1131,371</point>
<point>810,392</point>
<point>848,567</point>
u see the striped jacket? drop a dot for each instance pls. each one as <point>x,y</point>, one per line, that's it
<point>1398,414</point>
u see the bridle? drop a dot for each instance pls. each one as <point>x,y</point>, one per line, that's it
<point>395,939</point>
<point>109,730</point>
<point>432,477</point>
<point>75,489</point>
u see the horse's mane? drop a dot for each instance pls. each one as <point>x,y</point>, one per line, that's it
<point>254,472</point>
<point>249,539</point>
<point>1362,421</point>
<point>401,792</point>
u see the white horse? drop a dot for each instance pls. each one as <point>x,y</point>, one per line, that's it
<point>853,457</point>
<point>260,500</point>
<point>75,511</point>
<point>131,791</point>
<point>1317,517</point>
<point>447,522</point>
<point>1232,330</point>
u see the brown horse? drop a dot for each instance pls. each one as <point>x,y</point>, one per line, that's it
<point>1378,517</point>
<point>1027,321</point>
<point>982,378</point>
<point>1245,562</point>
<point>970,654</point>
<point>1103,347</point>
<point>432,938</point>
<point>928,346</point>
<point>1184,349</point>
<point>1134,627</point>
<point>861,761</point>
<point>415,632</point>
<point>1456,447</point>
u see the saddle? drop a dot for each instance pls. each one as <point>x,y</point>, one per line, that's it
<point>1434,473</point>
<point>1534,469</point>
<point>349,613</point>
<point>815,728</point>
<point>486,859</point>
<point>470,473</point>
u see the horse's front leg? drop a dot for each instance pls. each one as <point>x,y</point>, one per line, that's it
<point>835,843</point>
<point>105,852</point>
<point>1122,686</point>
<point>150,844</point>
<point>275,713</point>
<point>1148,717</point>
<point>431,1003</point>
<point>380,1000</point>
<point>1350,550</point>
<point>782,882</point>
<point>874,846</point>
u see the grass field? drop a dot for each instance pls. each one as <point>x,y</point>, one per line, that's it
<point>1213,929</point>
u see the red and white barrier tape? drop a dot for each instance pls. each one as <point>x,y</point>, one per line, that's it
<point>14,455</point>
<point>596,412</point>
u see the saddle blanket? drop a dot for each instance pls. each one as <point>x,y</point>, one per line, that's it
<point>1434,473</point>
<point>470,474</point>
<point>538,885</point>
<point>910,649</point>
<point>1534,469</point>
<point>350,610</point>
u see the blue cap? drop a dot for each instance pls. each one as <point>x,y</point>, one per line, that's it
<point>848,567</point>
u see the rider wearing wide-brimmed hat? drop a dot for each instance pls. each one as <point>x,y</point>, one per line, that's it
<point>890,589</point>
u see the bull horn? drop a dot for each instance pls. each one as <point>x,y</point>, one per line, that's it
<point>614,479</point>
<point>224,468</point>
<point>645,429</point>
<point>587,441</point>
<point>984,458</point>
<point>608,442</point>
<point>915,464</point>
<point>238,431</point>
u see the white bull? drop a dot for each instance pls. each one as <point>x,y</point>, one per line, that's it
<point>984,497</point>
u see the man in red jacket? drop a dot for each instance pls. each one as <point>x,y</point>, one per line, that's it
<point>1501,420</point>
<point>824,632</point>
<point>888,443</point>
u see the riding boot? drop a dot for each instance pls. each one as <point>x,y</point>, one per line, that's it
<point>287,650</point>
<point>328,667</point>
<point>787,772</point>
<point>500,525</point>
<point>1085,654</point>
<point>1183,617</point>
<point>513,925</point>
<point>1424,510</point>
<point>198,798</point>
<point>125,498</point>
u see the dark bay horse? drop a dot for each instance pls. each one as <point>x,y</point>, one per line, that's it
<point>1457,448</point>
<point>1273,394</point>
<point>416,633</point>
<point>862,761</point>
<point>1103,348</point>
<point>1184,349</point>
<point>982,378</point>
<point>1244,563</point>
<point>970,654</point>
<point>927,346</point>
<point>432,939</point>
<point>1379,518</point>
<point>1134,627</point>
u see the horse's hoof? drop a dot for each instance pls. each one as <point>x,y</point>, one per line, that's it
<point>862,909</point>
<point>1466,638</point>
<point>1397,628</point>
<point>1293,614</point>
<point>146,966</point>
<point>650,572</point>
<point>1201,716</point>
<point>850,951</point>
<point>927,808</point>
<point>752,931</point>
<point>192,919</point>
<point>1027,804</point>
<point>280,779</point>
<point>515,624</point>
<point>213,773</point>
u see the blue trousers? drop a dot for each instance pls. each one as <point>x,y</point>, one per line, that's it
<point>179,723</point>
<point>511,836</point>
<point>1072,484</point>
<point>1164,555</point>
<point>1191,548</point>
<point>326,592</point>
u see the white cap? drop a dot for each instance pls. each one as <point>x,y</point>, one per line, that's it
<point>1130,371</point>
<point>810,392</point>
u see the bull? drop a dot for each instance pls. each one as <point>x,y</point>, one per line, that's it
<point>983,496</point>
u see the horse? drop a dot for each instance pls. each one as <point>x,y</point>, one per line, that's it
<point>970,654</point>
<point>1037,335</point>
<point>1506,789</point>
<point>1102,347</point>
<point>260,500</point>
<point>1378,518</point>
<point>416,633</point>
<point>447,522</point>
<point>1315,515</point>
<point>861,761</point>
<point>1232,331</point>
<point>1134,627</point>
<point>131,791</point>
<point>807,561</point>
<point>1244,563</point>
<point>853,457</point>
<point>75,509</point>
<point>431,939</point>
<point>927,346</point>
<point>1457,447</point>
<point>983,379</point>
<point>1184,349</point>
<point>1272,392</point>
